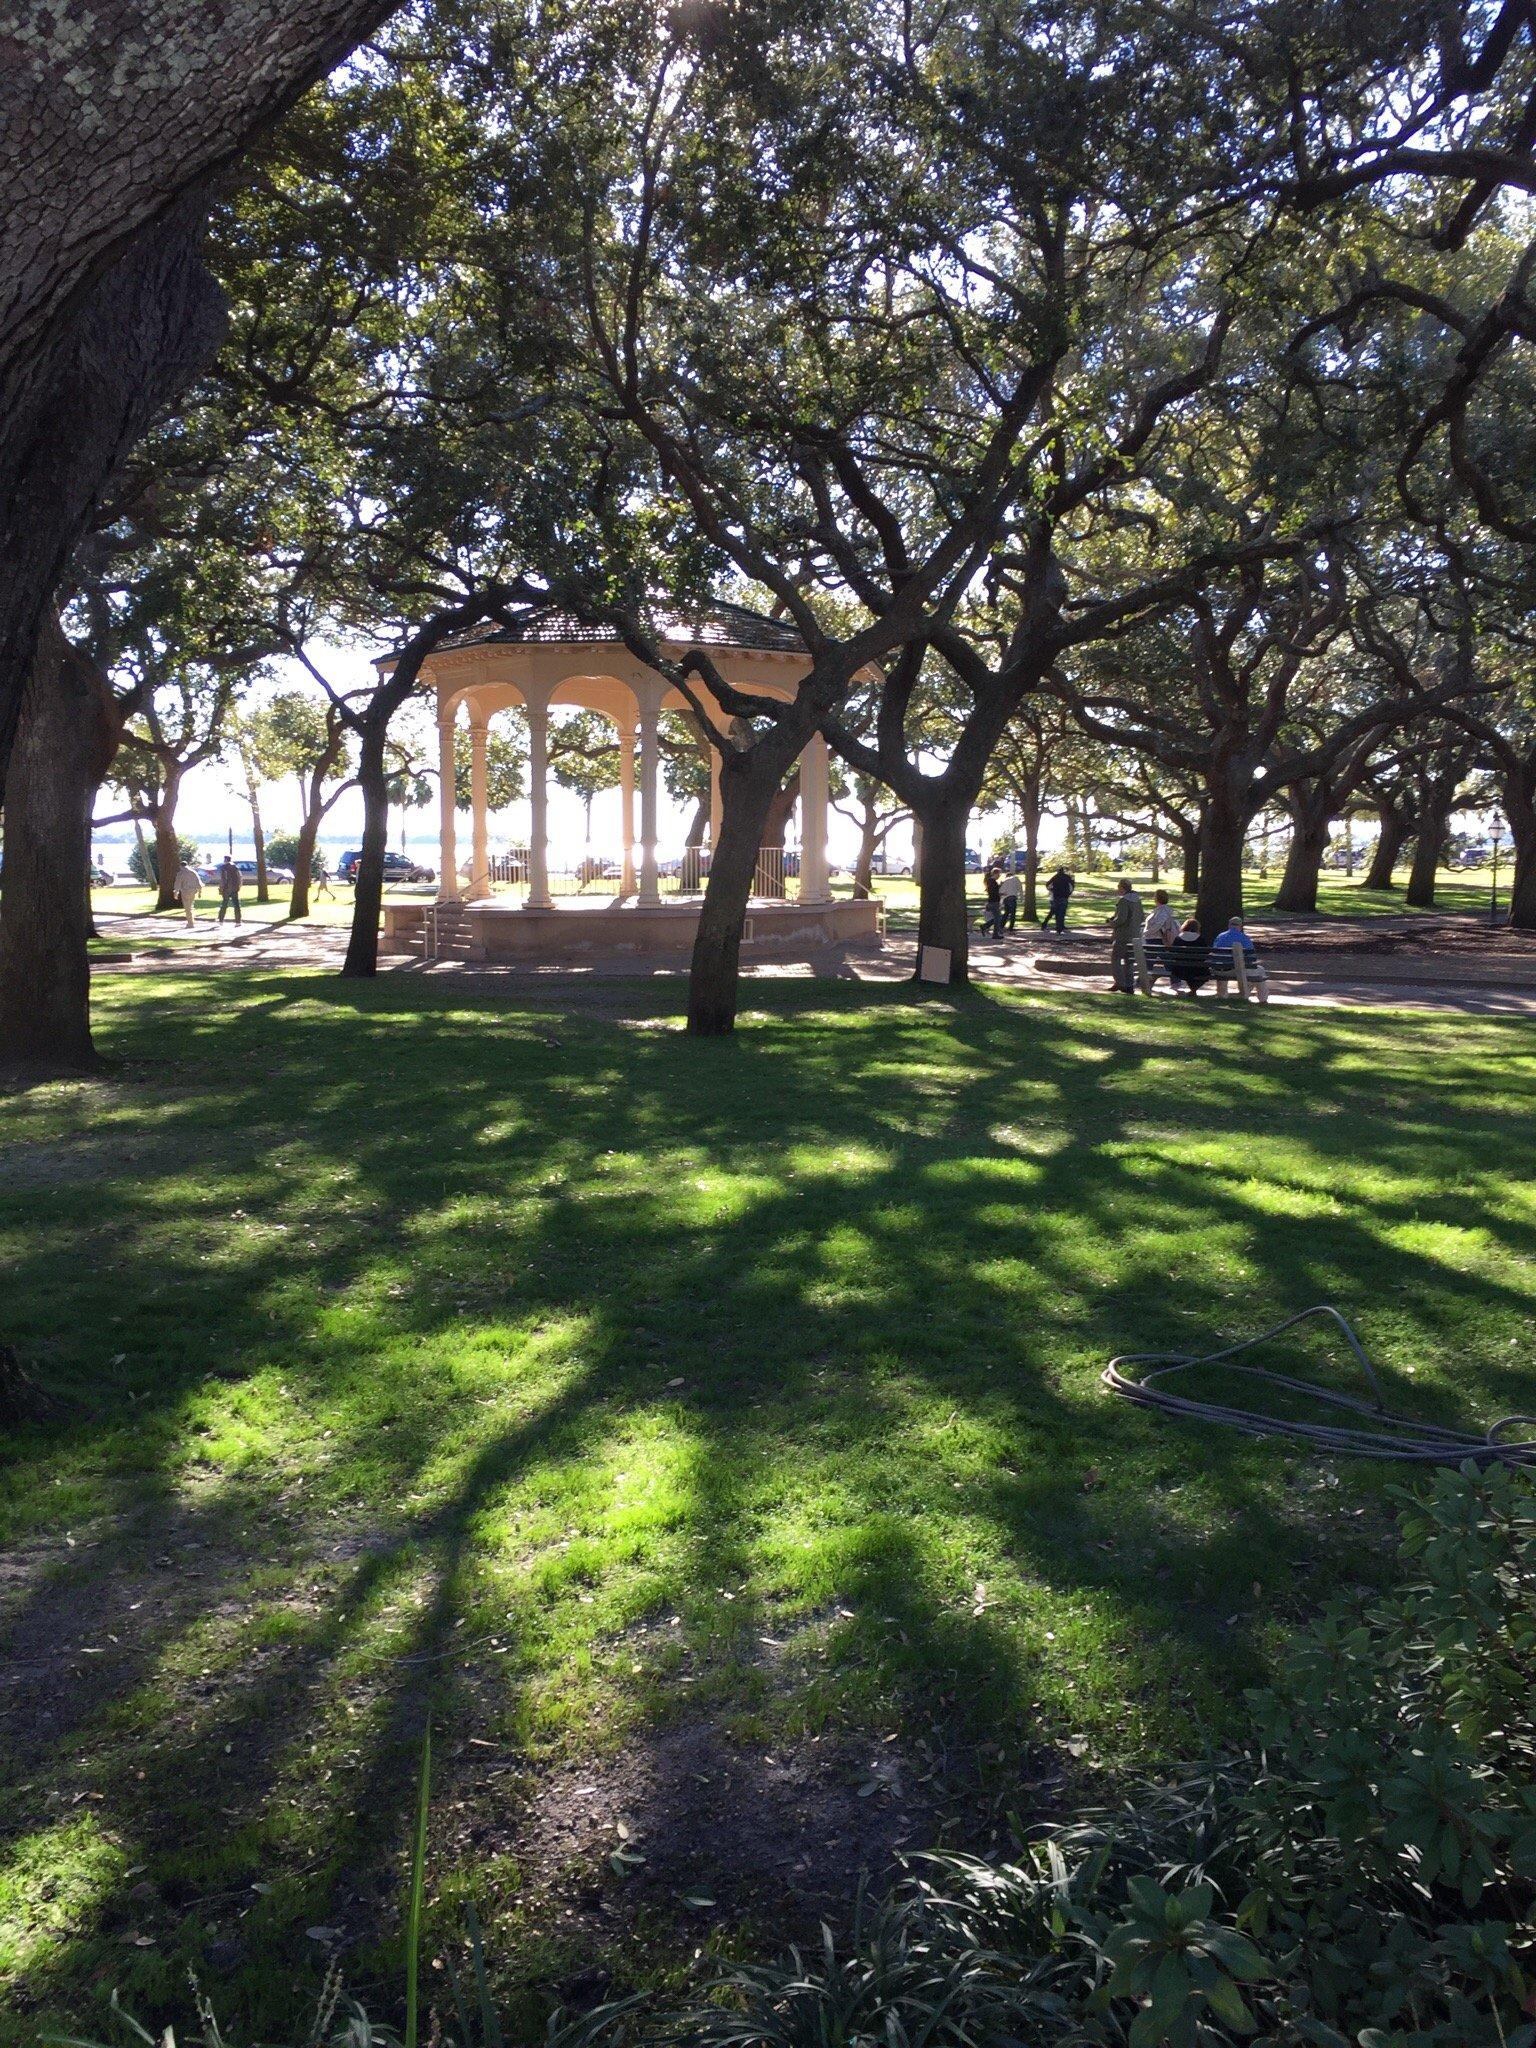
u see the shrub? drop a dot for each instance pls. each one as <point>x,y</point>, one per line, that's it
<point>141,858</point>
<point>282,849</point>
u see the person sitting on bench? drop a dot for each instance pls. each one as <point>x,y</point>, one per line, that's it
<point>1230,940</point>
<point>1187,957</point>
<point>1158,934</point>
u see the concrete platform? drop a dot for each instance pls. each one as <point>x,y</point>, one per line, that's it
<point>576,932</point>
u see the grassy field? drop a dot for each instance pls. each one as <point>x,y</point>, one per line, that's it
<point>707,1437</point>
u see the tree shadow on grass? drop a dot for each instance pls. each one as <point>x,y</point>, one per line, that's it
<point>865,1213</point>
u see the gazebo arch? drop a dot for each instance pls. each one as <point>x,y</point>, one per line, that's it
<point>554,659</point>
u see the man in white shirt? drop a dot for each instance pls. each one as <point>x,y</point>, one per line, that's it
<point>1162,926</point>
<point>1159,933</point>
<point>188,885</point>
<point>1010,887</point>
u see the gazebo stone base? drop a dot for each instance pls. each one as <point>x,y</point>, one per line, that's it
<point>577,934</point>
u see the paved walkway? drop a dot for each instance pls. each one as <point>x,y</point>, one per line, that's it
<point>1321,964</point>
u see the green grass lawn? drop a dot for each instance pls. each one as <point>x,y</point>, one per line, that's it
<point>530,1366</point>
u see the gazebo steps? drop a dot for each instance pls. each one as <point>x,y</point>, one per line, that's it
<point>454,931</point>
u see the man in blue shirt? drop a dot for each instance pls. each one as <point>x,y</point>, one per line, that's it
<point>1233,937</point>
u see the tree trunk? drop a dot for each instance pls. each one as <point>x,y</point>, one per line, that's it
<point>83,212</point>
<point>167,841</point>
<point>693,839</point>
<point>258,837</point>
<point>1304,857</point>
<point>1189,856</point>
<point>125,351</point>
<point>943,915</point>
<point>1031,808</point>
<point>1223,828</point>
<point>1420,893</point>
<point>749,784</point>
<point>304,864</point>
<point>1522,895</point>
<point>45,973</point>
<point>864,866</point>
<point>1519,792</point>
<point>368,893</point>
<point>1389,844</point>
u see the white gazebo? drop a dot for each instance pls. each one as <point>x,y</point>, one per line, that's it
<point>520,906</point>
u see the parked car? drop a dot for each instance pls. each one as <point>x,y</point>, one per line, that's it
<point>397,868</point>
<point>972,862</point>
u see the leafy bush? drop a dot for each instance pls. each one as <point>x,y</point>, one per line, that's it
<point>1361,1874</point>
<point>282,849</point>
<point>141,858</point>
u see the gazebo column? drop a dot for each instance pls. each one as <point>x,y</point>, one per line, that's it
<point>538,897</point>
<point>627,808</point>
<point>447,801</point>
<point>480,846</point>
<point>815,788</point>
<point>650,776</point>
<point>716,800</point>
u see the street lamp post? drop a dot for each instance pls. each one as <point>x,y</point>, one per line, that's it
<point>1496,833</point>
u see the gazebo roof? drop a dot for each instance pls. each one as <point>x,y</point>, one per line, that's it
<point>721,624</point>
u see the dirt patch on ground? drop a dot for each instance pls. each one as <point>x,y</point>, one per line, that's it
<point>689,1825</point>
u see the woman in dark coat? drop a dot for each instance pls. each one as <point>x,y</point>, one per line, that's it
<point>1187,957</point>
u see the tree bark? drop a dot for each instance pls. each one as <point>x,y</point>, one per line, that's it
<point>749,783</point>
<point>943,914</point>
<point>112,118</point>
<point>145,331</point>
<point>1308,809</point>
<point>1420,893</point>
<point>304,865</point>
<point>362,958</point>
<point>864,864</point>
<point>258,837</point>
<point>1219,898</point>
<point>1030,809</point>
<point>1522,895</point>
<point>1390,841</point>
<point>45,973</point>
<point>1189,857</point>
<point>167,839</point>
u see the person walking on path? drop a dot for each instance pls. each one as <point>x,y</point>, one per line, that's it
<point>1059,892</point>
<point>229,888</point>
<point>1010,887</point>
<point>189,886</point>
<point>992,922</point>
<point>1124,930</point>
<point>320,875</point>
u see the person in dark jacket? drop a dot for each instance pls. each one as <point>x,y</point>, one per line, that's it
<point>1187,958</point>
<point>229,888</point>
<point>992,882</point>
<point>1059,891</point>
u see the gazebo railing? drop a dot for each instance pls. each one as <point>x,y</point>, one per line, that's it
<point>684,874</point>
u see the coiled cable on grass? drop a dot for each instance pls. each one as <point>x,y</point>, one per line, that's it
<point>1138,1376</point>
